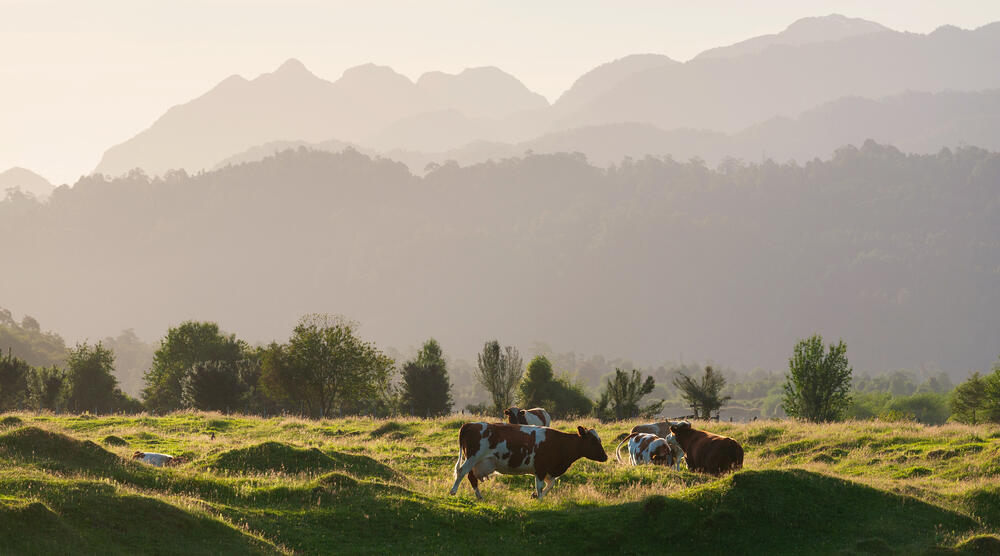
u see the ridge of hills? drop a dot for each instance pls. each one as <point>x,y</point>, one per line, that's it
<point>812,62</point>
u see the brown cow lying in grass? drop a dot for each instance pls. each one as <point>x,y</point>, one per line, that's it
<point>707,452</point>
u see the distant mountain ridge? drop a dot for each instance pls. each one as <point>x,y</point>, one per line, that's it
<point>291,103</point>
<point>727,90</point>
<point>807,30</point>
<point>26,180</point>
<point>921,123</point>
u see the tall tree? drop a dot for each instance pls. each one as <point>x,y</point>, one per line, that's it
<point>622,394</point>
<point>557,394</point>
<point>47,388</point>
<point>214,386</point>
<point>326,367</point>
<point>499,371</point>
<point>89,382</point>
<point>426,389</point>
<point>191,342</point>
<point>970,400</point>
<point>13,382</point>
<point>706,397</point>
<point>817,387</point>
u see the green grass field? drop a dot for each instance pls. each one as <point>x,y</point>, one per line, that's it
<point>287,485</point>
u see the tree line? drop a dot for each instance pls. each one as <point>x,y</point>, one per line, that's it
<point>325,369</point>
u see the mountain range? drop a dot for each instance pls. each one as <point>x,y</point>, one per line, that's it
<point>820,83</point>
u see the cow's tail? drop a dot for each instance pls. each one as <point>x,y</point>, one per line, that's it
<point>618,450</point>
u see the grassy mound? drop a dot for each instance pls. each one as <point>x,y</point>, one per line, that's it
<point>795,510</point>
<point>10,421</point>
<point>50,534</point>
<point>55,451</point>
<point>982,544</point>
<point>112,440</point>
<point>275,457</point>
<point>93,518</point>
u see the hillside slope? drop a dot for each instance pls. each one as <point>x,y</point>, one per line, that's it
<point>883,486</point>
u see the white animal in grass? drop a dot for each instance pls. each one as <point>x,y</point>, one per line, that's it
<point>159,460</point>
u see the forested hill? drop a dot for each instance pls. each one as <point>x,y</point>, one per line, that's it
<point>653,259</point>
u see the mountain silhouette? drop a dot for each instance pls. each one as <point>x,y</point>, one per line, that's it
<point>605,77</point>
<point>922,123</point>
<point>485,92</point>
<point>807,30</point>
<point>26,180</point>
<point>292,104</point>
<point>648,101</point>
<point>729,94</point>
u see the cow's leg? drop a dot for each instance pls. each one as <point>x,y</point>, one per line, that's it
<point>475,484</point>
<point>539,488</point>
<point>461,472</point>
<point>550,482</point>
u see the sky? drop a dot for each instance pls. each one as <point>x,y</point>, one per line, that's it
<point>79,77</point>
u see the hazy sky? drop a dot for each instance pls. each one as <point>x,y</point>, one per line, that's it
<point>78,77</point>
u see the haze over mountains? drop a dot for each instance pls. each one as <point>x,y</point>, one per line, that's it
<point>738,90</point>
<point>465,206</point>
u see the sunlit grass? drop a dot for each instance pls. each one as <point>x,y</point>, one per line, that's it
<point>391,476</point>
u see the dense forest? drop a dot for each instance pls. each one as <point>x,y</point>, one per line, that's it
<point>654,258</point>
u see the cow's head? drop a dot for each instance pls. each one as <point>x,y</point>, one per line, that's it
<point>592,447</point>
<point>662,455</point>
<point>138,455</point>
<point>680,428</point>
<point>512,414</point>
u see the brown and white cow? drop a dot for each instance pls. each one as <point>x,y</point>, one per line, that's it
<point>650,448</point>
<point>535,416</point>
<point>661,429</point>
<point>521,450</point>
<point>708,452</point>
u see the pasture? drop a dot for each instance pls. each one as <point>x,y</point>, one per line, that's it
<point>355,485</point>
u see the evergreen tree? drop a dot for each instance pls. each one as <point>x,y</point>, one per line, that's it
<point>970,400</point>
<point>426,389</point>
<point>13,382</point>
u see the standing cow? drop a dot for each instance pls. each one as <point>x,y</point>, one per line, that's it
<point>707,452</point>
<point>535,416</point>
<point>521,450</point>
<point>650,448</point>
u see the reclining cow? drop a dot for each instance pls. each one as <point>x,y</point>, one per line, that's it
<point>661,429</point>
<point>707,452</point>
<point>159,460</point>
<point>521,450</point>
<point>535,416</point>
<point>650,448</point>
